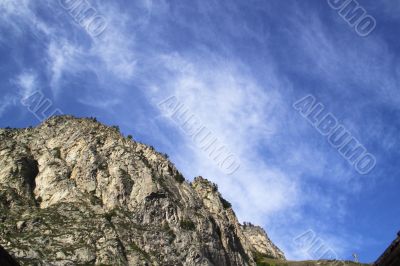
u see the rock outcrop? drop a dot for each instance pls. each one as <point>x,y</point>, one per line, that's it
<point>391,256</point>
<point>73,191</point>
<point>260,242</point>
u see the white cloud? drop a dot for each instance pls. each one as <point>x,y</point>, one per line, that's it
<point>63,57</point>
<point>242,115</point>
<point>27,83</point>
<point>115,47</point>
<point>20,14</point>
<point>5,102</point>
<point>343,58</point>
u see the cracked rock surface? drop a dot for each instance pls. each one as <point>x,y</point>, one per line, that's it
<point>76,192</point>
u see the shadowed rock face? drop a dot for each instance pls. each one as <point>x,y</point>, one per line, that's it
<point>391,256</point>
<point>6,259</point>
<point>73,191</point>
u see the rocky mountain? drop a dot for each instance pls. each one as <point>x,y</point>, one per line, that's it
<point>76,192</point>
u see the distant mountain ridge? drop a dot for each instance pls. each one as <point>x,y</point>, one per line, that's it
<point>76,192</point>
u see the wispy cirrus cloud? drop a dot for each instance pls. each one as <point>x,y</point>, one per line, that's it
<point>239,69</point>
<point>220,89</point>
<point>5,102</point>
<point>235,107</point>
<point>27,83</point>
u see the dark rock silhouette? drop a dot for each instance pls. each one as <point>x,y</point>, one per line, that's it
<point>6,259</point>
<point>391,256</point>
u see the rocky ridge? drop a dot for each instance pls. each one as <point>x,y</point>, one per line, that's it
<point>76,192</point>
<point>260,242</point>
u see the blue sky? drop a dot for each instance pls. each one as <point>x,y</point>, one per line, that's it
<point>238,66</point>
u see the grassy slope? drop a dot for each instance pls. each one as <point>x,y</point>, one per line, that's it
<point>273,262</point>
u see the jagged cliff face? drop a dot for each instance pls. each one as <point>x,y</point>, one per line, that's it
<point>73,191</point>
